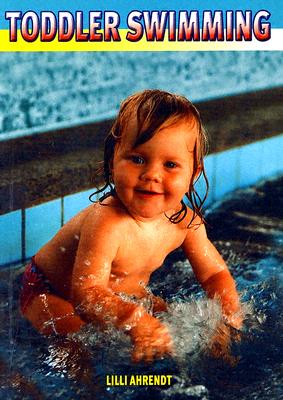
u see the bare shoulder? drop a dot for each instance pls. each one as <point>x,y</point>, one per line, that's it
<point>103,224</point>
<point>104,215</point>
<point>66,238</point>
<point>194,226</point>
<point>100,238</point>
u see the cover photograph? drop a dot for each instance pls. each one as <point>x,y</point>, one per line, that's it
<point>141,190</point>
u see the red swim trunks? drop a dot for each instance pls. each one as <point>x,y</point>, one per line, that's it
<point>34,283</point>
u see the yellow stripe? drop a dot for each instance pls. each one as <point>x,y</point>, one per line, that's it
<point>275,43</point>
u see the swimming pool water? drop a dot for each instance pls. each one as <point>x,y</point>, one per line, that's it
<point>247,228</point>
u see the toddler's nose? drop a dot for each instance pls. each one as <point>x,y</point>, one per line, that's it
<point>151,173</point>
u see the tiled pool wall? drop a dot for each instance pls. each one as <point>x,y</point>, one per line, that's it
<point>23,232</point>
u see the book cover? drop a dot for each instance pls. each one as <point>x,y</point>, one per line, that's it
<point>65,69</point>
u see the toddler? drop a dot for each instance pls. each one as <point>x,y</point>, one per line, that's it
<point>96,268</point>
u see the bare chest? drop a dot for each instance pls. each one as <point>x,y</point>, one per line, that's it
<point>142,252</point>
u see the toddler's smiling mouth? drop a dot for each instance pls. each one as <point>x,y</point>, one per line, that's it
<point>144,192</point>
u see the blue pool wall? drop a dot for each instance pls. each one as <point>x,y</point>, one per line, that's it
<point>23,232</point>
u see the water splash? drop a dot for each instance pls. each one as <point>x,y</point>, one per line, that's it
<point>192,325</point>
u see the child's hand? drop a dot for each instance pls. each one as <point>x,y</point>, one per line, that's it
<point>159,305</point>
<point>235,320</point>
<point>151,339</point>
<point>220,345</point>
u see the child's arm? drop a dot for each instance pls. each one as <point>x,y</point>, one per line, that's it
<point>96,302</point>
<point>212,272</point>
<point>98,247</point>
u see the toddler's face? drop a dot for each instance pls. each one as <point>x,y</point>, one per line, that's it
<point>153,177</point>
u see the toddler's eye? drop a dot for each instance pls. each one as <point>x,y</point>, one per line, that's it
<point>170,164</point>
<point>137,159</point>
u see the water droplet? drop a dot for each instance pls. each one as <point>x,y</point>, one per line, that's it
<point>127,327</point>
